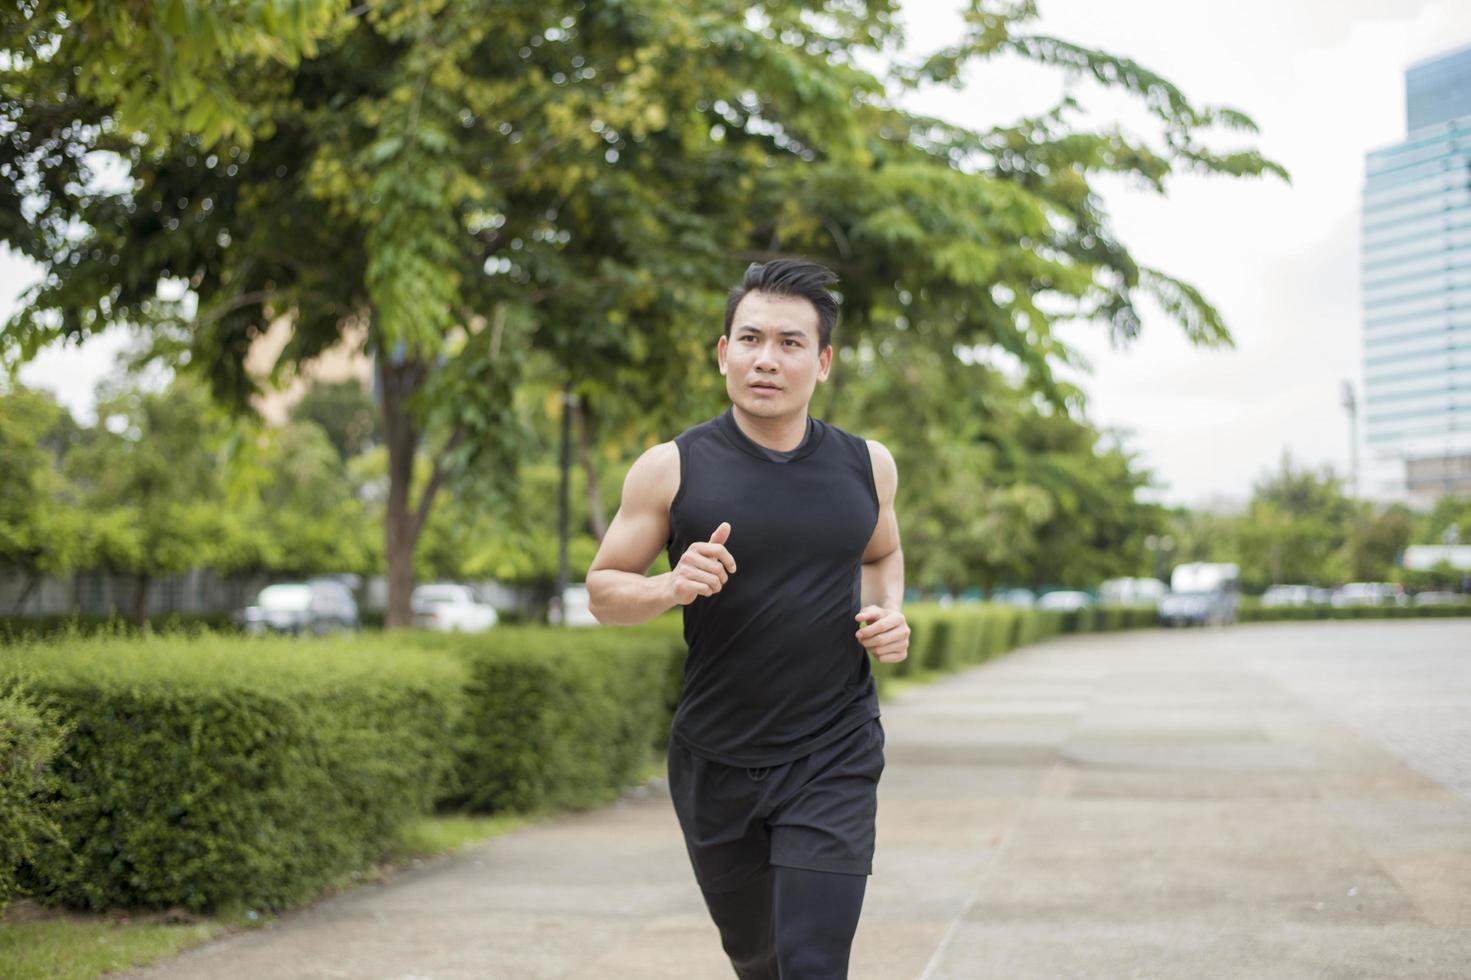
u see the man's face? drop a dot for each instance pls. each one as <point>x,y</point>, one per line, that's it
<point>773,341</point>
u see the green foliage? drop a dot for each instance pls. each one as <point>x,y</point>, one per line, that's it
<point>992,488</point>
<point>1449,522</point>
<point>167,68</point>
<point>1251,611</point>
<point>478,183</point>
<point>345,412</point>
<point>1376,540</point>
<point>30,739</point>
<point>41,530</point>
<point>17,629</point>
<point>151,470</point>
<point>559,719</point>
<point>205,771</point>
<point>72,947</point>
<point>1300,527</point>
<point>165,481</point>
<point>298,510</point>
<point>944,639</point>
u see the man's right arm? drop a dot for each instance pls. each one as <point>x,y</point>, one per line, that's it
<point>619,591</point>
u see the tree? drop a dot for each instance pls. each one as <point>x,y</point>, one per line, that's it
<point>472,181</point>
<point>41,531</point>
<point>295,504</point>
<point>1303,492</point>
<point>154,485</point>
<point>1376,539</point>
<point>1449,522</point>
<point>996,485</point>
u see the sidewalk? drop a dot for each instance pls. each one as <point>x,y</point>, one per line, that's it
<point>1141,805</point>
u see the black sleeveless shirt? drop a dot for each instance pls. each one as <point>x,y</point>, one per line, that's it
<point>774,671</point>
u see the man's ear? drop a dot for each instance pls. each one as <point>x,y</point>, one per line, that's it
<point>824,362</point>
<point>720,352</point>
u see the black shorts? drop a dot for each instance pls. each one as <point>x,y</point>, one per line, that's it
<point>816,812</point>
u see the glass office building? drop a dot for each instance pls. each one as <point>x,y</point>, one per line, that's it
<point>1416,276</point>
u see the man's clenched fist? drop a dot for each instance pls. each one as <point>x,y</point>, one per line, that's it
<point>704,567</point>
<point>887,634</point>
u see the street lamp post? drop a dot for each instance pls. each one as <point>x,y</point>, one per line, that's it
<point>1158,546</point>
<point>569,399</point>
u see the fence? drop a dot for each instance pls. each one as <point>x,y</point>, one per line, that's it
<point>199,590</point>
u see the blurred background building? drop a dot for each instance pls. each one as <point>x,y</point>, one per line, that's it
<point>344,360</point>
<point>1416,253</point>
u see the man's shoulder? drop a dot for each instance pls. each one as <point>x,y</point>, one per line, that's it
<point>654,475</point>
<point>880,453</point>
<point>885,470</point>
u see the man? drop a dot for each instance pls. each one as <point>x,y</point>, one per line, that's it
<point>784,552</point>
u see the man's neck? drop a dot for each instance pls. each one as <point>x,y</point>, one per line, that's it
<point>779,434</point>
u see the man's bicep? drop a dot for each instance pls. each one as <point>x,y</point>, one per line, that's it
<point>640,529</point>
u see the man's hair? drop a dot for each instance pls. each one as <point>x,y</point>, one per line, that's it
<point>791,277</point>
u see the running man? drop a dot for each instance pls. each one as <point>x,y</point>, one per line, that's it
<point>784,552</point>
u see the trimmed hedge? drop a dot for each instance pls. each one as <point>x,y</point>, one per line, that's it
<point>560,719</point>
<point>1255,613</point>
<point>949,638</point>
<point>208,769</point>
<point>202,771</point>
<point>29,739</point>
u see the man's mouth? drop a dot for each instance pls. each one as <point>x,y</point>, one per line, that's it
<point>762,385</point>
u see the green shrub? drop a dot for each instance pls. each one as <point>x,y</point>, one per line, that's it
<point>1252,612</point>
<point>939,652</point>
<point>201,771</point>
<point>29,739</point>
<point>969,638</point>
<point>560,718</point>
<point>1005,625</point>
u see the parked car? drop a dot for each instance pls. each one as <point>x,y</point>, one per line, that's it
<point>1064,601</point>
<point>1440,599</point>
<point>1201,593</point>
<point>1131,592</point>
<point>576,605</point>
<point>448,607</point>
<point>1278,596</point>
<point>1370,594</point>
<point>318,606</point>
<point>1022,598</point>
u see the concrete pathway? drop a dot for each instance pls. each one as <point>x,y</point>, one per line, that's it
<point>1176,804</point>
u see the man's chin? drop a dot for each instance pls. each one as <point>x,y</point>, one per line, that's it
<point>764,406</point>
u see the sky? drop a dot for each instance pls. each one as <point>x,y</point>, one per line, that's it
<point>1324,81</point>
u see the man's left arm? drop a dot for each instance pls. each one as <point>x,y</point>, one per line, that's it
<point>885,633</point>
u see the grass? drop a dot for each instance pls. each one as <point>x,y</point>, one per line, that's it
<point>77,947</point>
<point>438,835</point>
<point>41,942</point>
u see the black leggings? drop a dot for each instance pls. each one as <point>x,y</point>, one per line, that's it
<point>789,923</point>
